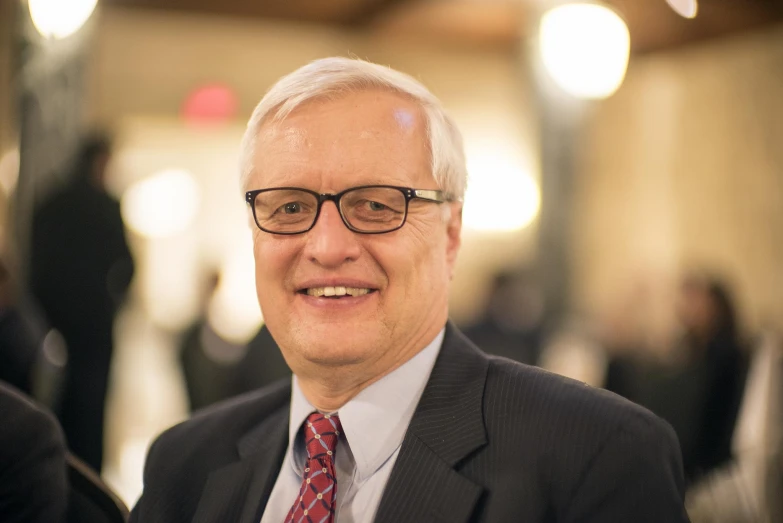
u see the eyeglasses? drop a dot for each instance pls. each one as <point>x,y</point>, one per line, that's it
<point>369,209</point>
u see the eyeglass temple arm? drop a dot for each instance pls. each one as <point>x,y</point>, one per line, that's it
<point>432,195</point>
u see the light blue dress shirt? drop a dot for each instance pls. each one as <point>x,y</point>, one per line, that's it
<point>374,425</point>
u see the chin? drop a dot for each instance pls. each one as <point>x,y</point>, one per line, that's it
<point>336,343</point>
<point>341,360</point>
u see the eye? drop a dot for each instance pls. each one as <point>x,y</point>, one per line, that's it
<point>291,208</point>
<point>375,206</point>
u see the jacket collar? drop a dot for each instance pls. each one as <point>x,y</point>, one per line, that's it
<point>240,491</point>
<point>447,426</point>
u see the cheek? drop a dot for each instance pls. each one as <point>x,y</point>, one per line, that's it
<point>414,267</point>
<point>271,259</point>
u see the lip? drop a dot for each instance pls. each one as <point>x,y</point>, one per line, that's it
<point>332,305</point>
<point>335,282</point>
<point>344,303</point>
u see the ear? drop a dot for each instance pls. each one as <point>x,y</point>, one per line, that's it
<point>453,235</point>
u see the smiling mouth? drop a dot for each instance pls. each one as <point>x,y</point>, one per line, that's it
<point>336,292</point>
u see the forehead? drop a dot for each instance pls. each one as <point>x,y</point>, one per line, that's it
<point>360,138</point>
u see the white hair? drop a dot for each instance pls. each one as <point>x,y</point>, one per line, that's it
<point>329,78</point>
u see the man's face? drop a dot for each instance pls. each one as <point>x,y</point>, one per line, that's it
<point>364,138</point>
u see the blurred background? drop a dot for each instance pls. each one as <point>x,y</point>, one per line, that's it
<point>623,223</point>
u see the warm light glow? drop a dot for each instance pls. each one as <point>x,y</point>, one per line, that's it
<point>685,8</point>
<point>161,205</point>
<point>60,18</point>
<point>585,49</point>
<point>131,466</point>
<point>234,312</point>
<point>500,195</point>
<point>9,171</point>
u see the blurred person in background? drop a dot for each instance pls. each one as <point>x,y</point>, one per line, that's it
<point>512,323</point>
<point>216,369</point>
<point>80,270</point>
<point>33,477</point>
<point>355,177</point>
<point>711,345</point>
<point>208,361</point>
<point>698,387</point>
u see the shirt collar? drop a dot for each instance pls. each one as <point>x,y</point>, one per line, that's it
<point>375,421</point>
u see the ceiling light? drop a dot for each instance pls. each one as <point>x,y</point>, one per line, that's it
<point>685,8</point>
<point>585,49</point>
<point>60,18</point>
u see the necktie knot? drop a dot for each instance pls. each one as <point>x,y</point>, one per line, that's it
<point>322,431</point>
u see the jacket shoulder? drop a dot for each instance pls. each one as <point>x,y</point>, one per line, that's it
<point>569,422</point>
<point>208,440</point>
<point>181,459</point>
<point>560,407</point>
<point>222,424</point>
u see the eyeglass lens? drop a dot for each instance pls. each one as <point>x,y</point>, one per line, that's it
<point>370,209</point>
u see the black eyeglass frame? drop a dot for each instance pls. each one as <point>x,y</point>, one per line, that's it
<point>430,195</point>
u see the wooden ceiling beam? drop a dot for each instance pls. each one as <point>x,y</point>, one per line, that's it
<point>654,26</point>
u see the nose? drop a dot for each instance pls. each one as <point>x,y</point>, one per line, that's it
<point>330,243</point>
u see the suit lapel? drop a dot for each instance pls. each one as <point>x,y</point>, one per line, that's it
<point>239,491</point>
<point>447,426</point>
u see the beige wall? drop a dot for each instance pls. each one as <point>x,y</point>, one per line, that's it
<point>683,167</point>
<point>7,134</point>
<point>6,94</point>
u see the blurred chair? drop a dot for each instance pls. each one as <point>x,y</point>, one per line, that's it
<point>91,500</point>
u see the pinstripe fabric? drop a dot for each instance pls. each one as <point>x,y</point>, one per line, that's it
<point>536,448</point>
<point>491,441</point>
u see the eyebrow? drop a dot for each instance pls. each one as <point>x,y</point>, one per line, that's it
<point>362,183</point>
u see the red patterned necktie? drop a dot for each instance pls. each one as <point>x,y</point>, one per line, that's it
<point>318,493</point>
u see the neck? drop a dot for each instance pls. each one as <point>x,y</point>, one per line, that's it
<point>330,396</point>
<point>329,388</point>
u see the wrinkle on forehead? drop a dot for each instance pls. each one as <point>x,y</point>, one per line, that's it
<point>290,137</point>
<point>404,119</point>
<point>353,136</point>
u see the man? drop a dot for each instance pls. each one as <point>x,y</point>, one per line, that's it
<point>80,269</point>
<point>33,480</point>
<point>355,177</point>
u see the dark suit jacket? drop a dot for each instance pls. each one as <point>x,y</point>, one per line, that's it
<point>33,482</point>
<point>491,441</point>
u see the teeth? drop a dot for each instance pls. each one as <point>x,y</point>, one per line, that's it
<point>336,291</point>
